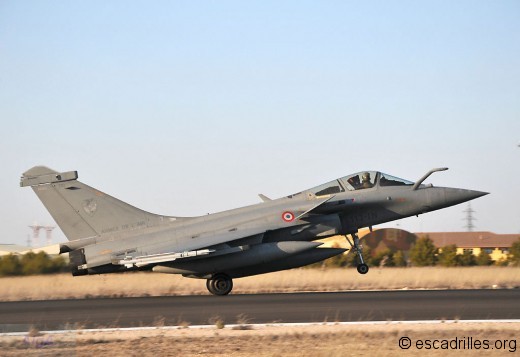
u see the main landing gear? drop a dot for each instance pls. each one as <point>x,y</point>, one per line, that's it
<point>362,268</point>
<point>219,284</point>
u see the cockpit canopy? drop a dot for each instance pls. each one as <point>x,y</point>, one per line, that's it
<point>359,181</point>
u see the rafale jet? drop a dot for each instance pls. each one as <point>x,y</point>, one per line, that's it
<point>107,235</point>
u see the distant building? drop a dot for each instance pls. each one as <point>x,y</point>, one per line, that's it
<point>496,245</point>
<point>6,249</point>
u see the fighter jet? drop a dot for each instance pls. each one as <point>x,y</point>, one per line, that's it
<point>106,235</point>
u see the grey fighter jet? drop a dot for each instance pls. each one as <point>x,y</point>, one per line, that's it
<point>107,235</point>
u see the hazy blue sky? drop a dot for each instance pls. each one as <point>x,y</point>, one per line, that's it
<point>190,107</point>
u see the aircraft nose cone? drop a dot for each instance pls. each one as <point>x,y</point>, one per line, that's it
<point>457,195</point>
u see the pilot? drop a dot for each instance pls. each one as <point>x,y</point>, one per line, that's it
<point>366,180</point>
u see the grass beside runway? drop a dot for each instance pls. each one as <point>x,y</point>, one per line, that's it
<point>316,340</point>
<point>64,286</point>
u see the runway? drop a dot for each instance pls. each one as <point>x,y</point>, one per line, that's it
<point>262,308</point>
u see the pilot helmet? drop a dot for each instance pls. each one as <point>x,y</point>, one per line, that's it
<point>366,176</point>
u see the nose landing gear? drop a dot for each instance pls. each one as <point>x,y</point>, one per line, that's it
<point>362,268</point>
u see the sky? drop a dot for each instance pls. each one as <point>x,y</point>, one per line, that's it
<point>192,107</point>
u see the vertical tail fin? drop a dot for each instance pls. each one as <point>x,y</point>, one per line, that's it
<point>80,210</point>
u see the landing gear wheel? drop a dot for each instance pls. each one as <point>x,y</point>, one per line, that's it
<point>219,284</point>
<point>362,268</point>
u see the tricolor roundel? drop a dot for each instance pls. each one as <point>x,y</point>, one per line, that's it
<point>288,216</point>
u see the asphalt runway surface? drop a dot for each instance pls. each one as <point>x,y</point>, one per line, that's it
<point>262,308</point>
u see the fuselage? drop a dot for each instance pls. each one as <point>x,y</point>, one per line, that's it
<point>329,212</point>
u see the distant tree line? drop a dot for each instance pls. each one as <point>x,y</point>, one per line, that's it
<point>423,253</point>
<point>31,264</point>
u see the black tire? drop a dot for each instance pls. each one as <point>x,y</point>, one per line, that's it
<point>220,284</point>
<point>208,286</point>
<point>362,268</point>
